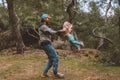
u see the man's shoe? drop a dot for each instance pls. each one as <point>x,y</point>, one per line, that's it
<point>45,75</point>
<point>59,75</point>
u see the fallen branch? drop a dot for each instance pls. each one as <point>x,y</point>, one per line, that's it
<point>32,35</point>
<point>35,30</point>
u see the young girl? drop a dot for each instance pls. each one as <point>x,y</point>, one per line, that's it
<point>67,28</point>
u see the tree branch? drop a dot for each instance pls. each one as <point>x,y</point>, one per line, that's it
<point>108,7</point>
<point>35,30</point>
<point>31,34</point>
<point>97,36</point>
<point>69,9</point>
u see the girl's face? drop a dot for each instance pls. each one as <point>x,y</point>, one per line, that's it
<point>67,26</point>
<point>70,28</point>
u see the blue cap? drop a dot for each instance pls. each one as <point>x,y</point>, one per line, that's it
<point>45,16</point>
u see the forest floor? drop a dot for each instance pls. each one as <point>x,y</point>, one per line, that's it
<point>75,66</point>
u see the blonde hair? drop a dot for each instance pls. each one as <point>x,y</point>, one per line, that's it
<point>67,27</point>
<point>67,24</point>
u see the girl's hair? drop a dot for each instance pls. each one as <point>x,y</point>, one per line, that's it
<point>66,23</point>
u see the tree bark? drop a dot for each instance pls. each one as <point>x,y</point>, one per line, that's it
<point>70,12</point>
<point>108,7</point>
<point>119,2</point>
<point>2,26</point>
<point>119,28</point>
<point>119,25</point>
<point>3,3</point>
<point>14,23</point>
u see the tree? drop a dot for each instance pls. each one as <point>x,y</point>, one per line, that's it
<point>119,21</point>
<point>14,23</point>
<point>2,26</point>
<point>119,2</point>
<point>3,3</point>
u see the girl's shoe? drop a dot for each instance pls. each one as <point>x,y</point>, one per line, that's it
<point>82,44</point>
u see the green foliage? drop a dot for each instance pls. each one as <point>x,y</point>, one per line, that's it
<point>111,57</point>
<point>4,16</point>
<point>35,8</point>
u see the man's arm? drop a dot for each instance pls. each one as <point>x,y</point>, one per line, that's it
<point>47,29</point>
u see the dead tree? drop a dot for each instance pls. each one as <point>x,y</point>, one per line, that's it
<point>101,38</point>
<point>101,41</point>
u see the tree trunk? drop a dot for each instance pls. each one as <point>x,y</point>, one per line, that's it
<point>3,3</point>
<point>70,12</point>
<point>14,21</point>
<point>119,2</point>
<point>119,28</point>
<point>119,25</point>
<point>72,15</point>
<point>2,26</point>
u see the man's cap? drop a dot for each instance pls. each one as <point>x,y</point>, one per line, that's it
<point>45,16</point>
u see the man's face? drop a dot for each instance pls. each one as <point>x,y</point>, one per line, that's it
<point>47,19</point>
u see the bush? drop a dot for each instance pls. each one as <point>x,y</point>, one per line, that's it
<point>112,57</point>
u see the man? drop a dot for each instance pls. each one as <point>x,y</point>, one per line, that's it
<point>45,44</point>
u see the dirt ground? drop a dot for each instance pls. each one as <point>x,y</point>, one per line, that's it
<point>75,66</point>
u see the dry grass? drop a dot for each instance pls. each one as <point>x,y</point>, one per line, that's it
<point>30,65</point>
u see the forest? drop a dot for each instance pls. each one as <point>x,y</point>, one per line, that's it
<point>95,22</point>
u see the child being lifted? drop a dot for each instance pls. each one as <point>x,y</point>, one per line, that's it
<point>67,28</point>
